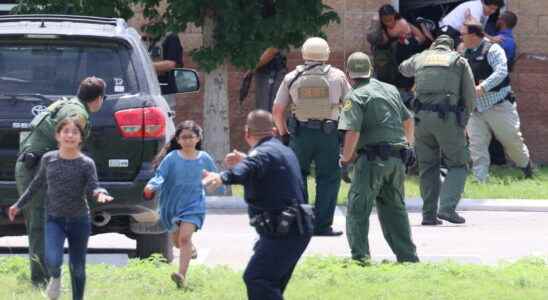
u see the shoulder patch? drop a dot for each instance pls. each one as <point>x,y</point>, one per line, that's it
<point>437,60</point>
<point>347,105</point>
<point>253,153</point>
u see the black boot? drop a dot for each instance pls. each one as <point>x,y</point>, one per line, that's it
<point>529,170</point>
<point>431,221</point>
<point>452,217</point>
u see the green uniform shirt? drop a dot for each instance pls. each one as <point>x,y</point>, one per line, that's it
<point>41,138</point>
<point>376,111</point>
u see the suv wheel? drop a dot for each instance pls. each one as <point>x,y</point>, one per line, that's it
<point>148,244</point>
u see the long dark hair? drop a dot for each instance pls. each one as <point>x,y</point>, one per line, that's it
<point>388,10</point>
<point>173,144</point>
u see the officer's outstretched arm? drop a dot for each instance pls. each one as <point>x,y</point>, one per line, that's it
<point>407,67</point>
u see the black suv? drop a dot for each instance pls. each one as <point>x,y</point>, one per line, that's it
<point>44,57</point>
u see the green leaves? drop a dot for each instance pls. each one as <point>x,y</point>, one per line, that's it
<point>243,28</point>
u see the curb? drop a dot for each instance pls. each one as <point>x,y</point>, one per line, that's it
<point>412,204</point>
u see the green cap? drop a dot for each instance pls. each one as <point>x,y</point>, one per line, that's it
<point>358,65</point>
<point>444,40</point>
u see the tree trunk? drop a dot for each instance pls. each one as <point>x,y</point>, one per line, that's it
<point>216,126</point>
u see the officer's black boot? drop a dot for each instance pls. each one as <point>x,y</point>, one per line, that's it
<point>431,221</point>
<point>451,217</point>
<point>529,170</point>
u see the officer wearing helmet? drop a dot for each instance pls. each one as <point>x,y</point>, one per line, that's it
<point>445,95</point>
<point>315,91</point>
<point>379,132</point>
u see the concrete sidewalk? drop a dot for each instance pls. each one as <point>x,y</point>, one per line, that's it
<point>413,204</point>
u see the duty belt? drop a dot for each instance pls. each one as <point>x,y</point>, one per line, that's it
<point>442,110</point>
<point>382,151</point>
<point>316,124</point>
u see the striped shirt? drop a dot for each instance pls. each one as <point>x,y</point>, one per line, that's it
<point>497,60</point>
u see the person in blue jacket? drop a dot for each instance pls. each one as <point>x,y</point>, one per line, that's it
<point>274,192</point>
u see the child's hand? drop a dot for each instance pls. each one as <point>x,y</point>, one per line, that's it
<point>148,193</point>
<point>13,211</point>
<point>211,180</point>
<point>104,198</point>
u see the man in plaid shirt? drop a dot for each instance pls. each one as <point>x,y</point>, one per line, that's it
<point>495,111</point>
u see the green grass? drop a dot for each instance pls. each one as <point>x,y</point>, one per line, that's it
<point>315,278</point>
<point>504,183</point>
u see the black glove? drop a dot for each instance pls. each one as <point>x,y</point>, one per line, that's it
<point>285,139</point>
<point>409,157</point>
<point>346,169</point>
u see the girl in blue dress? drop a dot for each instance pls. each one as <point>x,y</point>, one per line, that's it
<point>178,177</point>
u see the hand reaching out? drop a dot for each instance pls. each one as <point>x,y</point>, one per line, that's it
<point>148,193</point>
<point>211,180</point>
<point>104,198</point>
<point>233,158</point>
<point>13,211</point>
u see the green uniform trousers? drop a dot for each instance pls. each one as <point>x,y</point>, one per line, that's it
<point>35,221</point>
<point>313,145</point>
<point>382,183</point>
<point>437,140</point>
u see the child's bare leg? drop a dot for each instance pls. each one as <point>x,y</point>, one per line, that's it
<point>185,246</point>
<point>175,237</point>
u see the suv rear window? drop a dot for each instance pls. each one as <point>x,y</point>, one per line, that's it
<point>57,67</point>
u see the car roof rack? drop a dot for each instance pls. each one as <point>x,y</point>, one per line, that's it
<point>62,18</point>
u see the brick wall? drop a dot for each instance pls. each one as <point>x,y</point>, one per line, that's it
<point>530,78</point>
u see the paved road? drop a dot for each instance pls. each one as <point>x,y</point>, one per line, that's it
<point>486,238</point>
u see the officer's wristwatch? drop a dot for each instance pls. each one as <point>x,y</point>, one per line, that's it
<point>224,177</point>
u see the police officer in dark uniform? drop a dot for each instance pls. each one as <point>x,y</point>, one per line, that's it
<point>274,191</point>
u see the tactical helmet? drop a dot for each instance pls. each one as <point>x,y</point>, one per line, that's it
<point>358,65</point>
<point>316,49</point>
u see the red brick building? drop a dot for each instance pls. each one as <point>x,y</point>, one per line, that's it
<point>529,79</point>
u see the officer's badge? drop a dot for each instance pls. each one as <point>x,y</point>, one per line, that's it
<point>347,105</point>
<point>437,60</point>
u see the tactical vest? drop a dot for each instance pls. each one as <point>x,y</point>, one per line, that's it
<point>480,66</point>
<point>312,86</point>
<point>437,75</point>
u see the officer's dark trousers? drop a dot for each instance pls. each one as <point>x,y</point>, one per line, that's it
<point>437,139</point>
<point>35,221</point>
<point>271,266</point>
<point>313,145</point>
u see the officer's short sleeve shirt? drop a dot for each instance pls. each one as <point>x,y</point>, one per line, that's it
<point>377,112</point>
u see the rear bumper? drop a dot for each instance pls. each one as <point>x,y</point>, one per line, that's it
<point>130,212</point>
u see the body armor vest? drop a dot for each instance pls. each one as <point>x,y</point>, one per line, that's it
<point>437,75</point>
<point>312,102</point>
<point>480,66</point>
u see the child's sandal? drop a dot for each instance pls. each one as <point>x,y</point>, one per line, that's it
<point>178,279</point>
<point>194,254</point>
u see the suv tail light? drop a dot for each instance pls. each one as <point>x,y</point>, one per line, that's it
<point>147,122</point>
